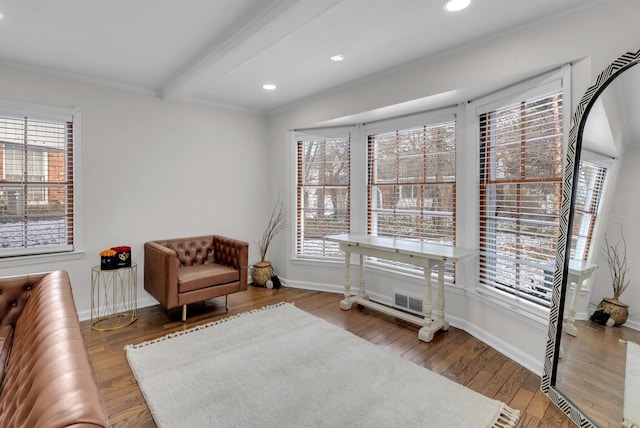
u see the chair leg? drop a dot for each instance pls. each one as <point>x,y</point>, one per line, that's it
<point>226,302</point>
<point>184,313</point>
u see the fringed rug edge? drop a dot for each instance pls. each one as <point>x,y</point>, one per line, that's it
<point>203,326</point>
<point>508,417</point>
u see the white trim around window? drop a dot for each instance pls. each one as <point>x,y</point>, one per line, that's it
<point>558,80</point>
<point>467,166</point>
<point>59,179</point>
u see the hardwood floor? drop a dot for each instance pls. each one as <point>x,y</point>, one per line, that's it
<point>591,371</point>
<point>454,354</point>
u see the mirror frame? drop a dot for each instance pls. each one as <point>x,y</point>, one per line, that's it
<point>548,384</point>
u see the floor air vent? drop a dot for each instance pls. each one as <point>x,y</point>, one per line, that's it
<point>411,304</point>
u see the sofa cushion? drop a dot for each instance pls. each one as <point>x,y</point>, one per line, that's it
<point>6,335</point>
<point>200,276</point>
<point>49,381</point>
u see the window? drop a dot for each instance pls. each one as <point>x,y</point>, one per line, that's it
<point>520,193</point>
<point>36,183</point>
<point>590,183</point>
<point>412,184</point>
<point>323,194</point>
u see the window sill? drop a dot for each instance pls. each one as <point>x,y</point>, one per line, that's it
<point>40,259</point>
<point>528,312</point>
<point>316,261</point>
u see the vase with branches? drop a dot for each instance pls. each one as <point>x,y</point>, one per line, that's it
<point>263,270</point>
<point>277,222</point>
<point>615,255</point>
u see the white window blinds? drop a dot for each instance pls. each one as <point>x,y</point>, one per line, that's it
<point>36,185</point>
<point>323,200</point>
<point>590,184</point>
<point>412,183</point>
<point>520,192</point>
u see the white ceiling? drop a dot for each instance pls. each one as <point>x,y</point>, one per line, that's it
<point>221,51</point>
<point>612,123</point>
<point>627,88</point>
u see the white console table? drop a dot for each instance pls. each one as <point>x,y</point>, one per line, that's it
<point>411,252</point>
<point>579,271</point>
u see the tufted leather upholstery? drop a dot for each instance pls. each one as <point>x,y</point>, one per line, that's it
<point>49,381</point>
<point>189,270</point>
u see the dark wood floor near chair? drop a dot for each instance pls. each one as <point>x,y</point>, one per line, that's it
<point>454,354</point>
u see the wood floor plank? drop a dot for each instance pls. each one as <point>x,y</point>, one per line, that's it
<point>455,353</point>
<point>538,405</point>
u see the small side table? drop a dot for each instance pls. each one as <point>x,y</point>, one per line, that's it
<point>114,297</point>
<point>579,271</point>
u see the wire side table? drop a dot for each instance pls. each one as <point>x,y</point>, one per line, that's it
<point>114,297</point>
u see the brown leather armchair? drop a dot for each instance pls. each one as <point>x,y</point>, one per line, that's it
<point>180,271</point>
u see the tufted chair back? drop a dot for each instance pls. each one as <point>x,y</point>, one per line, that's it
<point>228,254</point>
<point>192,251</point>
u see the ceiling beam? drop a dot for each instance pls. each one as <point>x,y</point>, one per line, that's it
<point>244,40</point>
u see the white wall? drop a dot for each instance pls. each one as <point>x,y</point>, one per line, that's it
<point>191,169</point>
<point>590,40</point>
<point>152,169</point>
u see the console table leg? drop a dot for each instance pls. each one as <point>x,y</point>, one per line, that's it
<point>426,333</point>
<point>441,301</point>
<point>431,326</point>
<point>361,292</point>
<point>346,303</point>
<point>569,326</point>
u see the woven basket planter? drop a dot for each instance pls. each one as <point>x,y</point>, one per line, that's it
<point>618,311</point>
<point>261,273</point>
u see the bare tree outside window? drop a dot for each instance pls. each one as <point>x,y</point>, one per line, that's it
<point>412,184</point>
<point>323,194</point>
<point>520,191</point>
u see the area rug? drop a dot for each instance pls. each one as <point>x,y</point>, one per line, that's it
<point>631,409</point>
<point>282,367</point>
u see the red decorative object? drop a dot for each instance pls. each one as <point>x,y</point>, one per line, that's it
<point>122,257</point>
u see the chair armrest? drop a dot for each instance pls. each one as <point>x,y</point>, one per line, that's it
<point>234,253</point>
<point>161,273</point>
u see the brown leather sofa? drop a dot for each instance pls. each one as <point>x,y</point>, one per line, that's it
<point>181,271</point>
<point>47,378</point>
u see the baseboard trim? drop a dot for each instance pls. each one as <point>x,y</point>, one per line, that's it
<point>85,315</point>
<point>527,361</point>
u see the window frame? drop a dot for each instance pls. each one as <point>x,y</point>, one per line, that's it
<point>559,78</point>
<point>467,192</point>
<point>302,137</point>
<point>74,250</point>
<point>585,241</point>
<point>413,122</point>
<point>597,233</point>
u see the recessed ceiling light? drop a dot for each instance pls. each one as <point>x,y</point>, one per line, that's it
<point>337,57</point>
<point>1,16</point>
<point>456,5</point>
<point>269,86</point>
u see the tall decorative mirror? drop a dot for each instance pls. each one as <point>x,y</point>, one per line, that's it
<point>585,372</point>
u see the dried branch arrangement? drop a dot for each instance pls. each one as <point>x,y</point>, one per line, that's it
<point>277,222</point>
<point>616,258</point>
